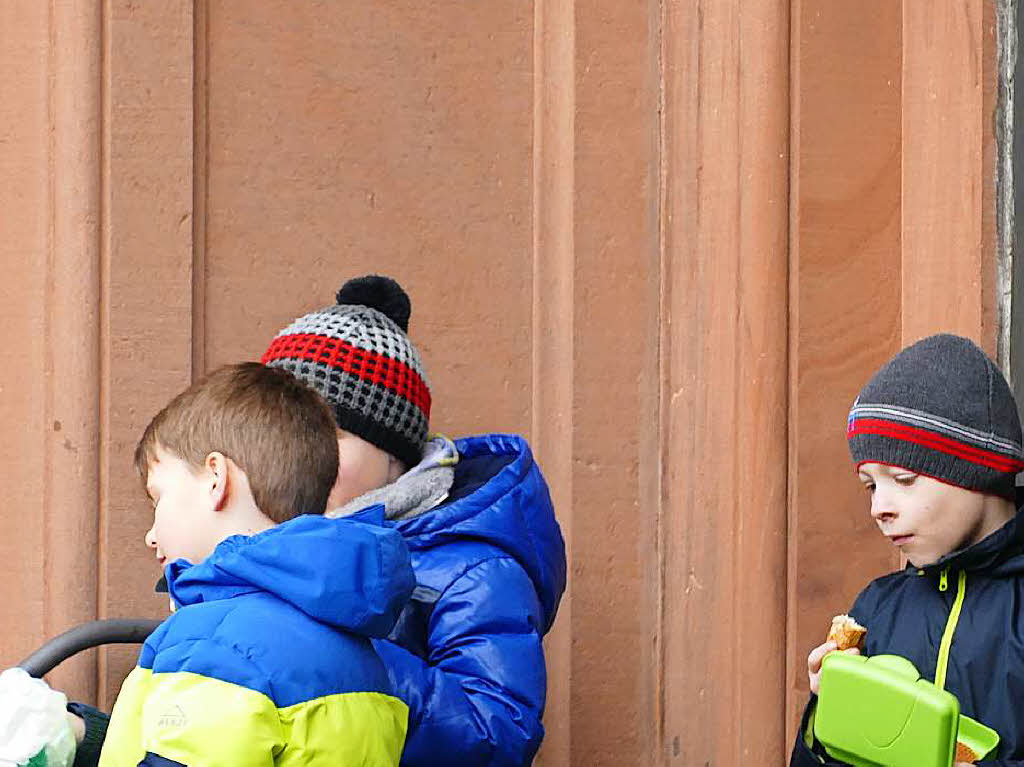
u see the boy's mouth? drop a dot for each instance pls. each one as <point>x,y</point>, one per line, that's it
<point>899,540</point>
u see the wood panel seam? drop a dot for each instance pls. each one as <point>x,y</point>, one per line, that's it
<point>48,334</point>
<point>200,176</point>
<point>663,389</point>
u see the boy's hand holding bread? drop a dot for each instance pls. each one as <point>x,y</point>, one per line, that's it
<point>845,635</point>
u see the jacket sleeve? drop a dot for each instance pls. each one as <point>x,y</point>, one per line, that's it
<point>88,752</point>
<point>478,696</point>
<point>806,751</point>
<point>184,713</point>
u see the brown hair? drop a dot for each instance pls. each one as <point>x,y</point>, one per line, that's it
<point>274,427</point>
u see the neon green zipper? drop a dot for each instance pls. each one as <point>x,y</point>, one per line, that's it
<point>954,617</point>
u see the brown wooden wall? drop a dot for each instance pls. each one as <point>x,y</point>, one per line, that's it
<point>667,240</point>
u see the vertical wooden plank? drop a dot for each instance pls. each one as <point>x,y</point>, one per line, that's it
<point>726,228</point>
<point>147,259</point>
<point>72,369</point>
<point>554,326</point>
<point>845,294</point>
<point>945,267</point>
<point>760,340</point>
<point>200,178</point>
<point>49,395</point>
<point>26,211</point>
<point>616,503</point>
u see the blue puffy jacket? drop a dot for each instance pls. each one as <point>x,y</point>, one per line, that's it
<point>466,654</point>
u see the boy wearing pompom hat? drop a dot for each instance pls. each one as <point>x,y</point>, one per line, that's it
<point>936,441</point>
<point>466,654</point>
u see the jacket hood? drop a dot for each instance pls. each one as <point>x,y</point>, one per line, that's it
<point>353,575</point>
<point>499,497</point>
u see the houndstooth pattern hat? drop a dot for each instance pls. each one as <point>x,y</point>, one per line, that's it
<point>358,356</point>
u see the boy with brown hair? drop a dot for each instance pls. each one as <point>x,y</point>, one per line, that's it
<point>267,659</point>
<point>936,441</point>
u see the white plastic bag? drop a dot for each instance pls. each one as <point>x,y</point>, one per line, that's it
<point>34,727</point>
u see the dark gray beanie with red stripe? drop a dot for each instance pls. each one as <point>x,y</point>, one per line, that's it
<point>358,355</point>
<point>943,409</point>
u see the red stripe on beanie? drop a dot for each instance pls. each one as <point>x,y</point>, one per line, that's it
<point>370,366</point>
<point>929,439</point>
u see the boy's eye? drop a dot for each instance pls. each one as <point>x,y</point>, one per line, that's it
<point>905,479</point>
<point>869,486</point>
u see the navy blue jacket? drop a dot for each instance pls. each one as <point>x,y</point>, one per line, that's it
<point>466,653</point>
<point>906,613</point>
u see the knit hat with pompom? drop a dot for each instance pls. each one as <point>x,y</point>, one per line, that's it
<point>358,355</point>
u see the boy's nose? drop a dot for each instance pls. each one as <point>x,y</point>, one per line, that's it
<point>150,538</point>
<point>880,509</point>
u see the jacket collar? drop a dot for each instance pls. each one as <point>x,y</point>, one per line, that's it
<point>1001,551</point>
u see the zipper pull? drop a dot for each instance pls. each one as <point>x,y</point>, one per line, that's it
<point>944,579</point>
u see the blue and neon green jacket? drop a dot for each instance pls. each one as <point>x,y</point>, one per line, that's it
<point>268,659</point>
<point>960,621</point>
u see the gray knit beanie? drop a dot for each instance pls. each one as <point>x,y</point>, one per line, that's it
<point>358,356</point>
<point>943,409</point>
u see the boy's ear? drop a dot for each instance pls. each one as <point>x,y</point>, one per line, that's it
<point>217,467</point>
<point>395,468</point>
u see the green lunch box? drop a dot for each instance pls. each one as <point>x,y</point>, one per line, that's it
<point>878,712</point>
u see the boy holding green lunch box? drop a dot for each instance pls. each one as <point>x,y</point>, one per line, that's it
<point>936,440</point>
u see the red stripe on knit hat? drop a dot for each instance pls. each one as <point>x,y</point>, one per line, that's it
<point>370,366</point>
<point>934,441</point>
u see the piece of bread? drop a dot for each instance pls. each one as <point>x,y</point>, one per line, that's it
<point>964,754</point>
<point>846,633</point>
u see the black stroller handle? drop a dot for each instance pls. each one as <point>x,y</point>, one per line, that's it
<point>91,634</point>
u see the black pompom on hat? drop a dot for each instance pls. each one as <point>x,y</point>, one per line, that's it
<point>380,293</point>
<point>358,355</point>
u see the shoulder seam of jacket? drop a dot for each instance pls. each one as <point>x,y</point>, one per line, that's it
<point>213,639</point>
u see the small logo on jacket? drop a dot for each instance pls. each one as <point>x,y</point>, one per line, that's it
<point>172,717</point>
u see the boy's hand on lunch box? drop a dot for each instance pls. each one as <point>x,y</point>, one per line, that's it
<point>814,662</point>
